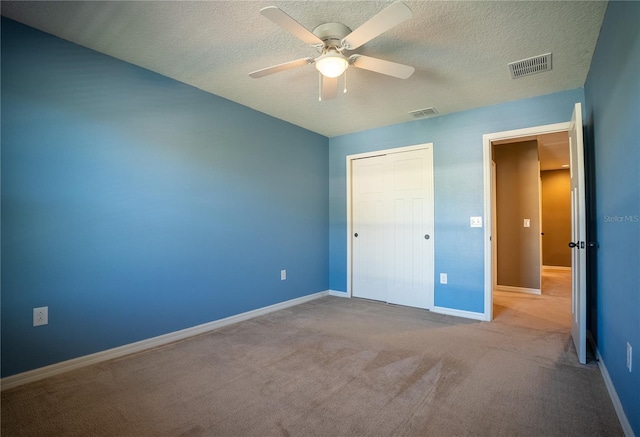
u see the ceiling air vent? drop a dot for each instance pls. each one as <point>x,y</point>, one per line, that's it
<point>426,112</point>
<point>529,66</point>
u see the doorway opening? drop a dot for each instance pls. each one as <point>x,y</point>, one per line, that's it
<point>578,219</point>
<point>531,185</point>
<point>532,225</point>
<point>490,189</point>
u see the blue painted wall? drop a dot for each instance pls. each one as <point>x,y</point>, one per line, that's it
<point>134,205</point>
<point>459,193</point>
<point>612,93</point>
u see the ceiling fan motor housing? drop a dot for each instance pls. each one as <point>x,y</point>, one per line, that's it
<point>332,34</point>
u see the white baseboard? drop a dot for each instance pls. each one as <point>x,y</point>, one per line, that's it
<point>556,268</point>
<point>459,313</point>
<point>339,293</point>
<point>511,289</point>
<point>109,354</point>
<point>617,405</point>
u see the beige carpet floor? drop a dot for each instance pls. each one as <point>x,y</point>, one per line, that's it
<point>339,367</point>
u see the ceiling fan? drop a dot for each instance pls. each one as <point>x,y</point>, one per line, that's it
<point>333,39</point>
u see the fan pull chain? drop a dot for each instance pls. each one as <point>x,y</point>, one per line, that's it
<point>320,87</point>
<point>345,82</point>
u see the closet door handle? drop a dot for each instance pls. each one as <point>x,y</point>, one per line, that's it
<point>355,235</point>
<point>426,236</point>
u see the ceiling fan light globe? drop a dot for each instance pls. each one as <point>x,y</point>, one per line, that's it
<point>332,65</point>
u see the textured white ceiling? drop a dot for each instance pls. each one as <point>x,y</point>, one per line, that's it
<point>460,51</point>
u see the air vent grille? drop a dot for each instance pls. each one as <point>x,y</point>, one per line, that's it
<point>529,66</point>
<point>426,112</point>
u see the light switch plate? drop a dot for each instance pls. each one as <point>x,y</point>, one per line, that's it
<point>527,223</point>
<point>476,222</point>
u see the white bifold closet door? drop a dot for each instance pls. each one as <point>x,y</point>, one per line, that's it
<point>392,232</point>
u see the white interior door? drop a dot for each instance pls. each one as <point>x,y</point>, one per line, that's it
<point>392,239</point>
<point>412,231</point>
<point>578,236</point>
<point>370,218</point>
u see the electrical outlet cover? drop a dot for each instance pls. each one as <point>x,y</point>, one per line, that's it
<point>40,316</point>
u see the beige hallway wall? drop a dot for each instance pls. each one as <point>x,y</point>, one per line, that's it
<point>518,198</point>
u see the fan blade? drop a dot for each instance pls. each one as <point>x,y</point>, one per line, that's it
<point>384,20</point>
<point>285,21</point>
<point>381,66</point>
<point>281,67</point>
<point>328,87</point>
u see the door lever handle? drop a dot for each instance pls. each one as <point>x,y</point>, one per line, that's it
<point>572,245</point>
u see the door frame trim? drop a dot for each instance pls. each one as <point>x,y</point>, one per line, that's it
<point>487,139</point>
<point>371,154</point>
